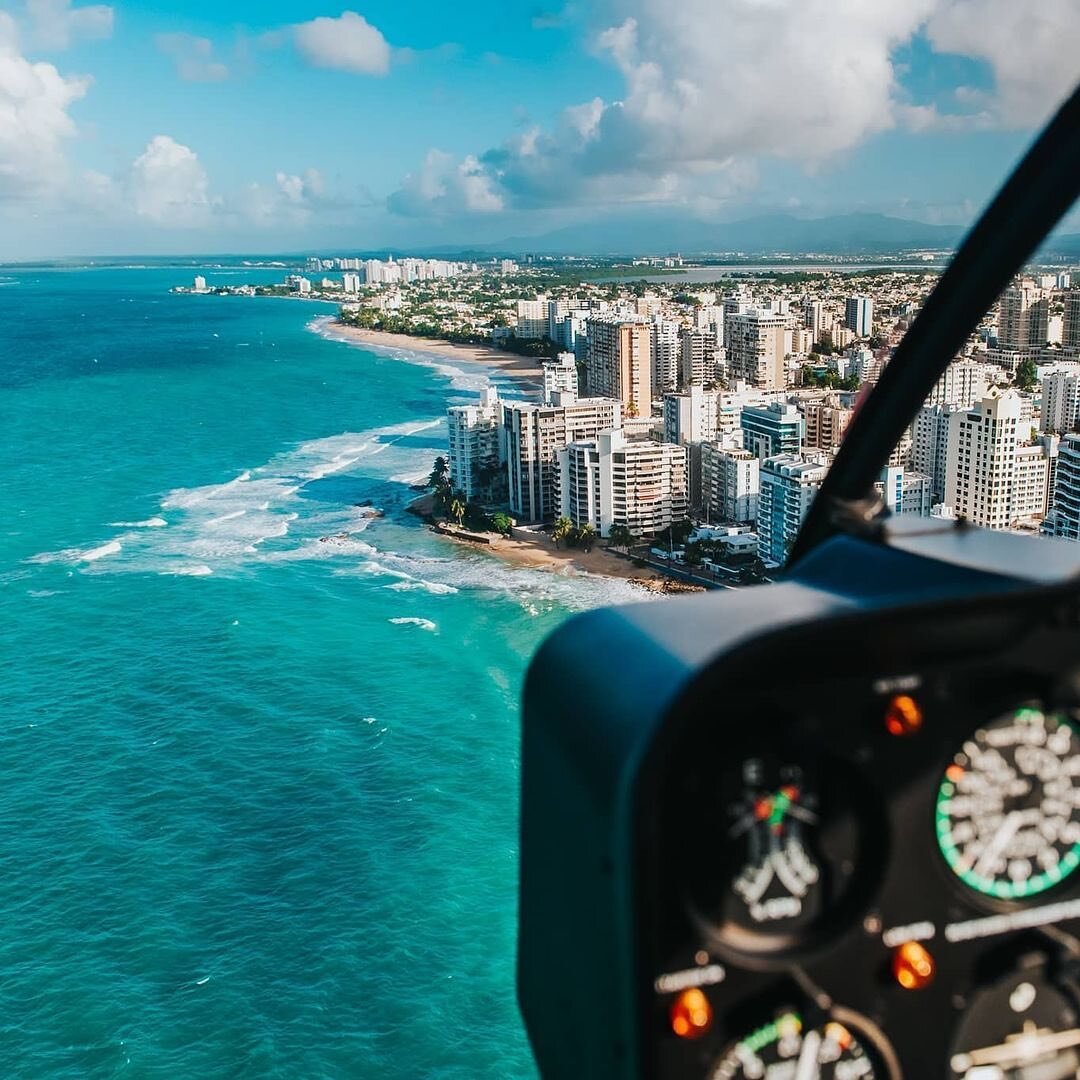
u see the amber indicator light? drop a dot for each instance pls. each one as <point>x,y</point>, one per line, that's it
<point>912,966</point>
<point>903,715</point>
<point>691,1014</point>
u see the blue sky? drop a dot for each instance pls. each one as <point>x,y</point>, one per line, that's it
<point>272,126</point>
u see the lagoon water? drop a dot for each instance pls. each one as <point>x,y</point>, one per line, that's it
<point>258,788</point>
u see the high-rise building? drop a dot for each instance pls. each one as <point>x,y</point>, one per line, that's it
<point>757,343</point>
<point>532,436</point>
<point>994,477</point>
<point>826,421</point>
<point>690,416</point>
<point>350,283</point>
<point>1061,401</point>
<point>607,480</point>
<point>730,483</point>
<point>816,317</point>
<point>771,430</point>
<point>532,319</point>
<point>1063,520</point>
<point>859,315</point>
<point>789,483</point>
<point>962,383</point>
<point>666,351</point>
<point>699,358</point>
<point>560,377</point>
<point>1070,332</point>
<point>619,363</point>
<point>930,443</point>
<point>474,439</point>
<point>1023,314</point>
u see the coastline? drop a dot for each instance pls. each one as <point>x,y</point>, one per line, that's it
<point>507,364</point>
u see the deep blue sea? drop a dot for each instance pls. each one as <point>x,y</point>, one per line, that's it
<point>258,788</point>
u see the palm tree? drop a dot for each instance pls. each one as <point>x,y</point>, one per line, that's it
<point>620,536</point>
<point>561,530</point>
<point>586,536</point>
<point>439,472</point>
<point>457,507</point>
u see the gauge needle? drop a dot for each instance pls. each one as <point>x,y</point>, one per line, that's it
<point>1020,1048</point>
<point>808,1060</point>
<point>1006,831</point>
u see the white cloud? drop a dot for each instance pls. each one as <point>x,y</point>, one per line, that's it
<point>34,121</point>
<point>193,57</point>
<point>168,185</point>
<point>1032,48</point>
<point>441,186</point>
<point>348,43</point>
<point>56,24</point>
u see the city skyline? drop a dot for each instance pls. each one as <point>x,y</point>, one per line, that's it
<point>135,129</point>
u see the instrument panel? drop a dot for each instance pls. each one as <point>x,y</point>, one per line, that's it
<point>875,878</point>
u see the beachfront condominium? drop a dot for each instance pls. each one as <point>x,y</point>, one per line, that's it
<point>619,363</point>
<point>789,483</point>
<point>859,315</point>
<point>532,436</point>
<point>1063,520</point>
<point>561,378</point>
<point>758,343</point>
<point>474,433</point>
<point>608,480</point>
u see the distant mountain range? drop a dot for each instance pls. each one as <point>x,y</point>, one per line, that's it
<point>846,234</point>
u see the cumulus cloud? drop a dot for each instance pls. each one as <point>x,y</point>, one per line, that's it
<point>34,120</point>
<point>168,185</point>
<point>193,57</point>
<point>1031,49</point>
<point>347,43</point>
<point>291,200</point>
<point>711,87</point>
<point>442,186</point>
<point>56,24</point>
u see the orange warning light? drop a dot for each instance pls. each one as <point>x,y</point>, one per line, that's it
<point>912,966</point>
<point>691,1014</point>
<point>903,715</point>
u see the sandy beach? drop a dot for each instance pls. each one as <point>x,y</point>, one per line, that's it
<point>506,363</point>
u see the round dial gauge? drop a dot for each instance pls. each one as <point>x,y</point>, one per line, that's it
<point>1023,1028</point>
<point>784,846</point>
<point>785,1049</point>
<point>1008,808</point>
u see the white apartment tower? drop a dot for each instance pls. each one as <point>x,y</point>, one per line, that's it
<point>666,352</point>
<point>560,377</point>
<point>532,436</point>
<point>1023,315</point>
<point>606,481</point>
<point>758,342</point>
<point>993,477</point>
<point>473,432</point>
<point>730,483</point>
<point>690,417</point>
<point>963,383</point>
<point>1061,401</point>
<point>699,357</point>
<point>789,483</point>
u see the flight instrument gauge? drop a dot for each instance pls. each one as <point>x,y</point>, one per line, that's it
<point>1022,1028</point>
<point>785,1048</point>
<point>784,845</point>
<point>1008,807</point>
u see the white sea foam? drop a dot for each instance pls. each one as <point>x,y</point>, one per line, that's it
<point>149,523</point>
<point>436,588</point>
<point>413,620</point>
<point>113,547</point>
<point>188,570</point>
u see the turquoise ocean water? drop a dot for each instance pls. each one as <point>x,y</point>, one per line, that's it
<point>258,789</point>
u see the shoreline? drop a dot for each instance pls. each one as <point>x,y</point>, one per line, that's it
<point>522,369</point>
